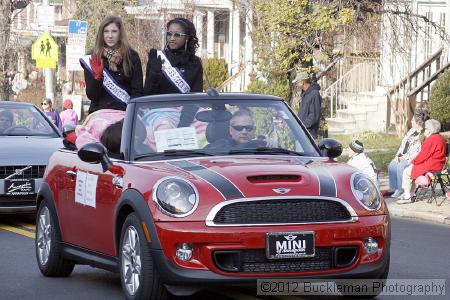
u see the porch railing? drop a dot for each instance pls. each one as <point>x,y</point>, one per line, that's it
<point>362,77</point>
<point>414,88</point>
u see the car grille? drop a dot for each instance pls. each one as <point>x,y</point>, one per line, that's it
<point>16,201</point>
<point>255,261</point>
<point>282,211</point>
<point>33,172</point>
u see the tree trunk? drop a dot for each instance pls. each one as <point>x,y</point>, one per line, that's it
<point>5,28</point>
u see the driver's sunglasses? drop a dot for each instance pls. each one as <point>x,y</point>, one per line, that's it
<point>246,127</point>
<point>176,35</point>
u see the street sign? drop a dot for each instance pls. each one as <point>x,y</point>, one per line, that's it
<point>76,43</point>
<point>78,27</point>
<point>46,16</point>
<point>45,51</point>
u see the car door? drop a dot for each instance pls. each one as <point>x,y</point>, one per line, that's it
<point>88,208</point>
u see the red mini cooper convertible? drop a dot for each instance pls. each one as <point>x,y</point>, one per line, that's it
<point>240,193</point>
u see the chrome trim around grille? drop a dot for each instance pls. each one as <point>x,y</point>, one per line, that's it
<point>212,214</point>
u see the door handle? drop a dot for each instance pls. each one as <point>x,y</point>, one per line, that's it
<point>71,173</point>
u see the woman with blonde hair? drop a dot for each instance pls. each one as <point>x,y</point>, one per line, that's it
<point>113,71</point>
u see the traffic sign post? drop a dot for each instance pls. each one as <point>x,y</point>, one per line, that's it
<point>45,51</point>
<point>76,43</point>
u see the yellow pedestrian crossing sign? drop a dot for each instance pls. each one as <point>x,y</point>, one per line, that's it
<point>45,51</point>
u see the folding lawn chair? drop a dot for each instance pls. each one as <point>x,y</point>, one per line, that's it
<point>441,178</point>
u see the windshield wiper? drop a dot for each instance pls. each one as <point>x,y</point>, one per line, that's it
<point>174,152</point>
<point>264,150</point>
<point>187,152</point>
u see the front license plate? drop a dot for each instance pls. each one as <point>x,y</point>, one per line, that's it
<point>20,187</point>
<point>281,245</point>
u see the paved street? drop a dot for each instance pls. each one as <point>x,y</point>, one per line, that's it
<point>419,250</point>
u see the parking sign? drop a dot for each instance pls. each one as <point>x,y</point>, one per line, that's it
<point>78,27</point>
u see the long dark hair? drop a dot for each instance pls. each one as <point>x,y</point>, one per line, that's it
<point>189,30</point>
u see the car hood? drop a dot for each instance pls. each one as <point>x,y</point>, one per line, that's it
<point>29,150</point>
<point>219,179</point>
<point>267,176</point>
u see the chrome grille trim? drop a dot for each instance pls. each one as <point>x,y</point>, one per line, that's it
<point>212,214</point>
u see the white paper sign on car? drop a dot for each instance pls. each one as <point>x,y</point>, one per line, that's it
<point>177,138</point>
<point>80,187</point>
<point>91,190</point>
<point>86,189</point>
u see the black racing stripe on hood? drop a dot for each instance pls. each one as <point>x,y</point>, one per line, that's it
<point>327,183</point>
<point>222,184</point>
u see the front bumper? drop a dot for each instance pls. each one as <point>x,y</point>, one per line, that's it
<point>203,269</point>
<point>18,204</point>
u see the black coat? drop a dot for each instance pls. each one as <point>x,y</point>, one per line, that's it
<point>100,99</point>
<point>192,72</point>
<point>310,112</point>
<point>191,69</point>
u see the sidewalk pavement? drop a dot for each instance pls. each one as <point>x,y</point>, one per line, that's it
<point>420,209</point>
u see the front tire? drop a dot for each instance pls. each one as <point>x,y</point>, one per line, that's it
<point>137,271</point>
<point>47,245</point>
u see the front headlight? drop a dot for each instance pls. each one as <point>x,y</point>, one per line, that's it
<point>365,191</point>
<point>175,196</point>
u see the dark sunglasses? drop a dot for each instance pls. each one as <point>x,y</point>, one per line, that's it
<point>176,35</point>
<point>240,128</point>
<point>44,103</point>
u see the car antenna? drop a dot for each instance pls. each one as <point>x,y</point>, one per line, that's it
<point>212,92</point>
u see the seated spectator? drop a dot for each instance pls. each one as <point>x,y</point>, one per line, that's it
<point>408,150</point>
<point>242,133</point>
<point>68,115</point>
<point>6,120</point>
<point>430,158</point>
<point>52,114</point>
<point>361,161</point>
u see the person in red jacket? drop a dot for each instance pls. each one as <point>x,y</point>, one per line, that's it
<point>430,158</point>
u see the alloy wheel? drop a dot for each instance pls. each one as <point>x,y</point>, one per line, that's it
<point>131,260</point>
<point>43,235</point>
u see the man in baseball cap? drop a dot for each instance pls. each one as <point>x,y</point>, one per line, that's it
<point>310,103</point>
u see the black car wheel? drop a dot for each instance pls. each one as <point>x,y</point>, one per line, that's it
<point>47,244</point>
<point>137,271</point>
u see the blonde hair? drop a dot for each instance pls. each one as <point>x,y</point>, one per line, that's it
<point>123,45</point>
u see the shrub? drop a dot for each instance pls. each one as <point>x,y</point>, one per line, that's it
<point>274,86</point>
<point>439,103</point>
<point>216,70</point>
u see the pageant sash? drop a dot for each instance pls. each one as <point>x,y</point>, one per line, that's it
<point>173,74</point>
<point>110,85</point>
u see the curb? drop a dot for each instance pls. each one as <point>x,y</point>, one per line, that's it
<point>398,211</point>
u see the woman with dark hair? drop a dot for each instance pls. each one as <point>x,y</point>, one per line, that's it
<point>113,72</point>
<point>176,69</point>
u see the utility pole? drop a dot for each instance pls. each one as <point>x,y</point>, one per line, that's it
<point>48,73</point>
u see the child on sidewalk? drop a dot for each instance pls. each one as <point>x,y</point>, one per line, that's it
<point>361,161</point>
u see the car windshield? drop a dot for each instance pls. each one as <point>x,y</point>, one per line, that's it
<point>23,120</point>
<point>164,130</point>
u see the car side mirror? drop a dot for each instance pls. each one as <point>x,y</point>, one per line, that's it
<point>95,153</point>
<point>68,129</point>
<point>330,148</point>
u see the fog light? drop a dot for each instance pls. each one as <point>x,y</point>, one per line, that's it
<point>371,246</point>
<point>184,252</point>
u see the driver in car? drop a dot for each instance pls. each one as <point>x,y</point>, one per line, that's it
<point>6,120</point>
<point>242,133</point>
